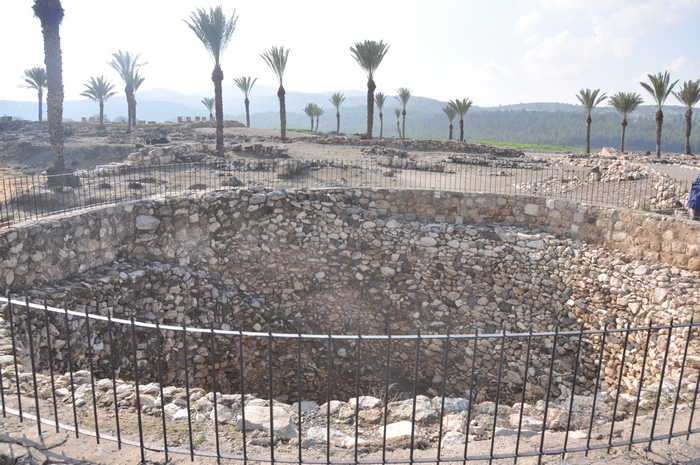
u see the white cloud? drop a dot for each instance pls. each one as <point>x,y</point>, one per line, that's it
<point>675,64</point>
<point>528,22</point>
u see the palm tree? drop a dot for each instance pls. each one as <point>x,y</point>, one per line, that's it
<point>310,112</point>
<point>276,59</point>
<point>209,103</point>
<point>99,90</point>
<point>245,84</point>
<point>35,78</point>
<point>369,55</point>
<point>461,107</point>
<point>214,30</point>
<point>50,14</point>
<point>625,103</point>
<point>589,99</point>
<point>403,96</point>
<point>659,90</point>
<point>688,95</point>
<point>451,113</point>
<point>127,66</point>
<point>380,99</point>
<point>397,112</point>
<point>336,100</point>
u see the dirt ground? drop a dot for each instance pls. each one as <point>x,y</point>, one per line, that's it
<point>20,443</point>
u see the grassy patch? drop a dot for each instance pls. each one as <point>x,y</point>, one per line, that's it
<point>533,147</point>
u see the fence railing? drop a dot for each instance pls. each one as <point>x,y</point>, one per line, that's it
<point>563,414</point>
<point>26,198</point>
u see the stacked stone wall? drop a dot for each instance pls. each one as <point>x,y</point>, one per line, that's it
<point>335,261</point>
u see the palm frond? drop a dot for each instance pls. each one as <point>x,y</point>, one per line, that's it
<point>403,95</point>
<point>209,103</point>
<point>98,89</point>
<point>276,59</point>
<point>461,106</point>
<point>380,99</point>
<point>590,98</point>
<point>337,99</point>
<point>245,83</point>
<point>625,102</point>
<point>213,29</point>
<point>369,55</point>
<point>450,111</point>
<point>660,88</point>
<point>126,65</point>
<point>35,78</point>
<point>689,93</point>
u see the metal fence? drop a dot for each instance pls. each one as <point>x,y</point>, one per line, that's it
<point>26,198</point>
<point>200,425</point>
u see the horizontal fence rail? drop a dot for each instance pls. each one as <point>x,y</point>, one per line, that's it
<point>25,198</point>
<point>103,376</point>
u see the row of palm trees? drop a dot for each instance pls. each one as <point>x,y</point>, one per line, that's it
<point>659,87</point>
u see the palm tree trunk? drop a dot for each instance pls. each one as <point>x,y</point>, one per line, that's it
<point>451,128</point>
<point>218,77</point>
<point>588,134</point>
<point>461,130</point>
<point>247,112</point>
<point>102,113</point>
<point>54,85</point>
<point>128,90</point>
<point>370,107</point>
<point>312,124</point>
<point>659,124</point>
<point>688,127</point>
<point>622,142</point>
<point>381,125</point>
<point>283,114</point>
<point>403,126</point>
<point>317,118</point>
<point>337,126</point>
<point>41,104</point>
<point>133,110</point>
<point>398,129</point>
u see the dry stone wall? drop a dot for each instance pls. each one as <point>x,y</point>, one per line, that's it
<point>335,260</point>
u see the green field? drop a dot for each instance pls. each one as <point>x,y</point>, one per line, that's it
<point>532,147</point>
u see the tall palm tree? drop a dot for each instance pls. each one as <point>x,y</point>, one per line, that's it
<point>127,66</point>
<point>336,100</point>
<point>50,14</point>
<point>246,85</point>
<point>276,59</point>
<point>310,112</point>
<point>397,112</point>
<point>369,55</point>
<point>659,89</point>
<point>589,99</point>
<point>99,90</point>
<point>403,95</point>
<point>380,99</point>
<point>209,103</point>
<point>35,78</point>
<point>688,95</point>
<point>451,113</point>
<point>214,30</point>
<point>461,107</point>
<point>625,103</point>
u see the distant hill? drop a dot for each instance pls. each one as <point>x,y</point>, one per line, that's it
<point>541,123</point>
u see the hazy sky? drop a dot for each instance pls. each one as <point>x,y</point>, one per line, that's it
<point>492,51</point>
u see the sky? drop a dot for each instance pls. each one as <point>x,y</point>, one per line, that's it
<point>496,52</point>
